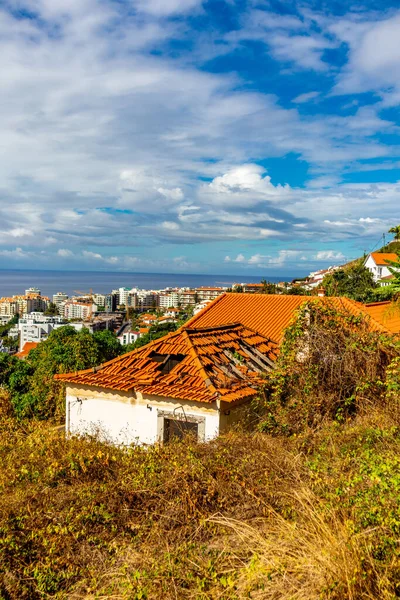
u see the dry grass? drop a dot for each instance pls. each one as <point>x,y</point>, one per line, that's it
<point>247,516</point>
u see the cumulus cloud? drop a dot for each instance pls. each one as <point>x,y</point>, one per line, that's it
<point>116,140</point>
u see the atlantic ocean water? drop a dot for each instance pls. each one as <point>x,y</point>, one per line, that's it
<point>49,282</point>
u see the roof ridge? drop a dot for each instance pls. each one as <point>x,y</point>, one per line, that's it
<point>198,362</point>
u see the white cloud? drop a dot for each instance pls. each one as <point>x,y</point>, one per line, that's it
<point>326,255</point>
<point>64,253</point>
<point>306,97</point>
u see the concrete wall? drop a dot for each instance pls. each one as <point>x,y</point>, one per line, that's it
<point>126,418</point>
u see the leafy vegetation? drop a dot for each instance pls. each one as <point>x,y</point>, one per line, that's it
<point>354,281</point>
<point>34,393</point>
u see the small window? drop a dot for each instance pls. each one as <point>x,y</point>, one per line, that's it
<point>175,429</point>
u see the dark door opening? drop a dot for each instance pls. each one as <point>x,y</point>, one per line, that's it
<point>173,428</point>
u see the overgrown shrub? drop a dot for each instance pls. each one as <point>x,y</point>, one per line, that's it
<point>331,366</point>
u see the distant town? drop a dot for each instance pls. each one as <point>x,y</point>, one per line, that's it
<point>131,313</point>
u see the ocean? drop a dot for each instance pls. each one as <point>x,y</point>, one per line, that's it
<point>71,282</point>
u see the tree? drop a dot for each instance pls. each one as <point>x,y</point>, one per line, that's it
<point>394,268</point>
<point>268,287</point>
<point>34,392</point>
<point>108,345</point>
<point>355,281</point>
<point>396,232</point>
<point>52,309</point>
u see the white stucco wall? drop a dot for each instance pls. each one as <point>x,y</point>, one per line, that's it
<point>378,271</point>
<point>126,419</point>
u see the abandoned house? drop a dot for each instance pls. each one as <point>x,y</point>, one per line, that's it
<point>196,379</point>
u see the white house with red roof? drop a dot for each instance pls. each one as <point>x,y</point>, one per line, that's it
<point>379,262</point>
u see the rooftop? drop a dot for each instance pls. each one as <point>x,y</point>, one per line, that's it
<point>383,258</point>
<point>270,314</point>
<point>202,364</point>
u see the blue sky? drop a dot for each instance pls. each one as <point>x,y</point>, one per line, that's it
<point>230,136</point>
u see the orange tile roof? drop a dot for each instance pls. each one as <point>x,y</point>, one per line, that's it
<point>28,346</point>
<point>386,313</point>
<point>227,362</point>
<point>269,314</point>
<point>382,258</point>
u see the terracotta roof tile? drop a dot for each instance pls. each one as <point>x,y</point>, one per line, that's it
<point>228,362</point>
<point>268,314</point>
<point>28,346</point>
<point>382,258</point>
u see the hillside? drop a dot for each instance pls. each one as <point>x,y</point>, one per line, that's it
<point>247,516</point>
<point>300,502</point>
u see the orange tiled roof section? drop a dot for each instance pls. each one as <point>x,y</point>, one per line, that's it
<point>386,313</point>
<point>269,314</point>
<point>228,362</point>
<point>383,258</point>
<point>28,346</point>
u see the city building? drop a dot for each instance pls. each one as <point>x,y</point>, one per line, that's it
<point>36,327</point>
<point>59,299</point>
<point>79,310</point>
<point>128,337</point>
<point>8,308</point>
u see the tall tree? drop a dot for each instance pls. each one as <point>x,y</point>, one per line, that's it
<point>396,232</point>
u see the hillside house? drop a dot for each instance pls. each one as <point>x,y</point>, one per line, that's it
<point>192,380</point>
<point>378,263</point>
<point>198,378</point>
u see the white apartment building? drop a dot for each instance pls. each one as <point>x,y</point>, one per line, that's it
<point>36,327</point>
<point>59,299</point>
<point>33,291</point>
<point>79,310</point>
<point>99,299</point>
<point>208,293</point>
<point>8,307</point>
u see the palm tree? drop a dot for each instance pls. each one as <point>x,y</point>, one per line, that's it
<point>396,232</point>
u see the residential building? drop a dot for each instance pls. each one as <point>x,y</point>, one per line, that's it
<point>123,295</point>
<point>36,327</point>
<point>128,337</point>
<point>8,307</point>
<point>22,354</point>
<point>199,378</point>
<point>163,390</point>
<point>79,310</point>
<point>59,300</point>
<point>379,262</point>
<point>32,291</point>
<point>208,293</point>
<point>31,303</point>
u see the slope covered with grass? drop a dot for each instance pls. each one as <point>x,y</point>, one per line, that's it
<point>301,503</point>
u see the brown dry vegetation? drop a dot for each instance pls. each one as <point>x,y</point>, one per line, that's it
<point>308,511</point>
<point>247,516</point>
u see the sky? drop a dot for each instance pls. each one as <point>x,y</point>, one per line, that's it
<point>230,136</point>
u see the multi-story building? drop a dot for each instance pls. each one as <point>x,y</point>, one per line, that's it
<point>33,291</point>
<point>99,299</point>
<point>143,300</point>
<point>36,327</point>
<point>123,295</point>
<point>78,310</point>
<point>31,303</point>
<point>110,302</point>
<point>59,300</point>
<point>208,293</point>
<point>8,307</point>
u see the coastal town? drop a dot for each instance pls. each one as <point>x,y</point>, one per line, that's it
<point>132,313</point>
